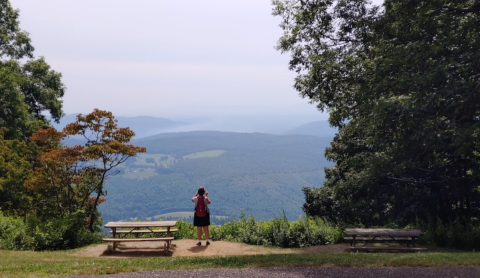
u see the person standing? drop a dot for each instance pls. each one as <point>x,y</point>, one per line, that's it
<point>201,219</point>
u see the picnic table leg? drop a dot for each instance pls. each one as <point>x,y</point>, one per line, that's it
<point>114,233</point>
<point>413,241</point>
<point>353,241</point>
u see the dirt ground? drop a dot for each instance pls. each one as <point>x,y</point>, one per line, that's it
<point>186,247</point>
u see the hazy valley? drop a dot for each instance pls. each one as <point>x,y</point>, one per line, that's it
<point>262,174</point>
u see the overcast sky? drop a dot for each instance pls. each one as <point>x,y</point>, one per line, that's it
<point>165,58</point>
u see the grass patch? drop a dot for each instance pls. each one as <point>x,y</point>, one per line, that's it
<point>61,263</point>
<point>213,153</point>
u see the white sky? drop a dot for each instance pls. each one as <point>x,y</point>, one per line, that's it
<point>165,58</point>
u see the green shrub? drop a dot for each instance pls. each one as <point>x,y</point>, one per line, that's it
<point>13,234</point>
<point>34,234</point>
<point>455,235</point>
<point>186,230</point>
<point>276,232</point>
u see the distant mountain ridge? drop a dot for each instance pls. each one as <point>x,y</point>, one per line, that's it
<point>143,126</point>
<point>318,128</point>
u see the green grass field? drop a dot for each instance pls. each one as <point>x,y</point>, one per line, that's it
<point>63,263</point>
<point>213,153</point>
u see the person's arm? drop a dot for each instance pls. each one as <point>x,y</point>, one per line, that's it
<point>207,200</point>
<point>194,198</point>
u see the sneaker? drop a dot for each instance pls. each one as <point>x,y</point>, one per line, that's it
<point>208,242</point>
<point>199,243</point>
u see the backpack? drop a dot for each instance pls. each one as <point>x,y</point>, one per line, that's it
<point>201,207</point>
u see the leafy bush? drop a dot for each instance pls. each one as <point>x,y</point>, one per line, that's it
<point>455,236</point>
<point>13,234</point>
<point>186,230</point>
<point>276,232</point>
<point>34,234</point>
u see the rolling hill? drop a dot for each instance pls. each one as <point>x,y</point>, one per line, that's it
<point>262,174</point>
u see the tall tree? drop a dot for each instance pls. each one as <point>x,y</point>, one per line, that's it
<point>402,84</point>
<point>28,86</point>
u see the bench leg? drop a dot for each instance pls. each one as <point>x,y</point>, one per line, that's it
<point>166,247</point>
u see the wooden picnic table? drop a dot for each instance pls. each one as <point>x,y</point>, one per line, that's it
<point>141,227</point>
<point>400,236</point>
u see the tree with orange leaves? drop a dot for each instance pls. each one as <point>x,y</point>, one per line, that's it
<point>70,179</point>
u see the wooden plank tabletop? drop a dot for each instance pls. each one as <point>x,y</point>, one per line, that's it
<point>143,224</point>
<point>383,232</point>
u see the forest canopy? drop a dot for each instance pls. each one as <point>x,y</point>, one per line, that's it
<point>402,84</point>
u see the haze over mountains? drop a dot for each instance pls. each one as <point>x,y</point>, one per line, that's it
<point>146,126</point>
<point>260,173</point>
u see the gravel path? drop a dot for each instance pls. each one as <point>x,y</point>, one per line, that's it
<point>346,272</point>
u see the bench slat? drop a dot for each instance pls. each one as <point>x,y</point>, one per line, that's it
<point>379,239</point>
<point>138,239</point>
<point>143,231</point>
<point>387,248</point>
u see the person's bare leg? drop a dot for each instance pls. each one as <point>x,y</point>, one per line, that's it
<point>199,232</point>
<point>199,235</point>
<point>207,234</point>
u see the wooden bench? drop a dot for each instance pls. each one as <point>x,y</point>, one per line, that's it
<point>385,248</point>
<point>401,236</point>
<point>378,239</point>
<point>166,245</point>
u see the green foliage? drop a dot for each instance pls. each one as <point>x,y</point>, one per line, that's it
<point>401,84</point>
<point>456,235</point>
<point>13,234</point>
<point>33,234</point>
<point>277,232</point>
<point>15,168</point>
<point>186,230</point>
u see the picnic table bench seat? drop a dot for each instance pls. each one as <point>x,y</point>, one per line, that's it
<point>143,231</point>
<point>108,239</point>
<point>386,248</point>
<point>378,238</point>
<point>166,245</point>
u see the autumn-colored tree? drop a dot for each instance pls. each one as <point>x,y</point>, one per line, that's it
<point>72,178</point>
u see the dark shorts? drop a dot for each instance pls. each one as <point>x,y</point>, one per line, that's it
<point>201,221</point>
